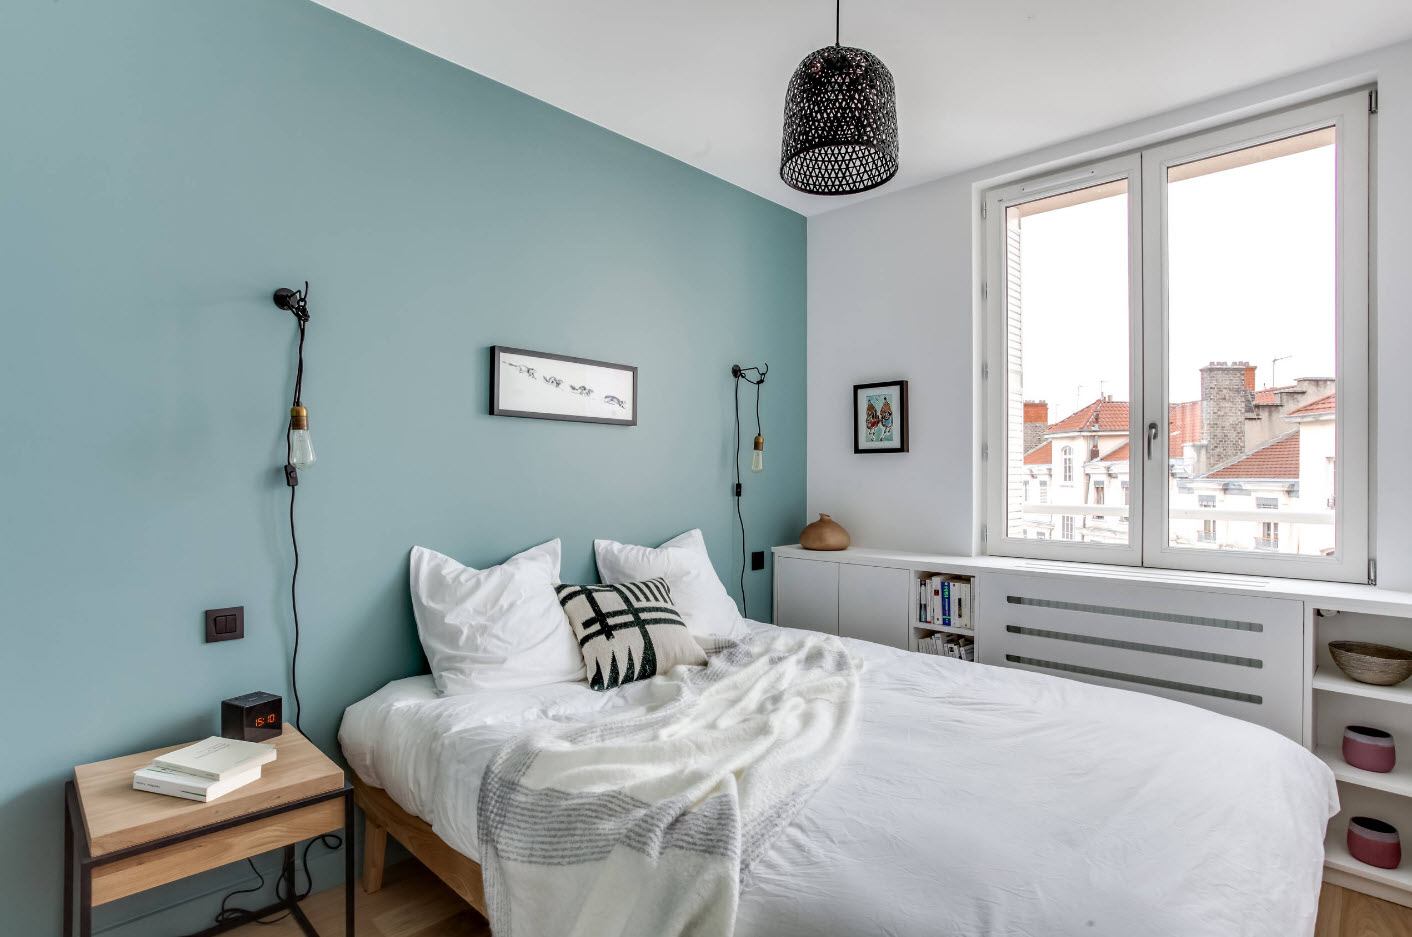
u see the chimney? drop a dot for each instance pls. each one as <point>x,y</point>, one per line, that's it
<point>1225,399</point>
<point>1036,422</point>
<point>1250,377</point>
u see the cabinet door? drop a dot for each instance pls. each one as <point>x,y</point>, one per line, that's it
<point>808,594</point>
<point>873,604</point>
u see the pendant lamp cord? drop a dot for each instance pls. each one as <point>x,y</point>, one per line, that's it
<point>837,21</point>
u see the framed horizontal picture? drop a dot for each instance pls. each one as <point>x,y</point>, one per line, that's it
<point>880,417</point>
<point>542,386</point>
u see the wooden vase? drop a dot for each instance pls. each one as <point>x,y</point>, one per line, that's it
<point>824,534</point>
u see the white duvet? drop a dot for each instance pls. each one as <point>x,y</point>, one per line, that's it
<point>975,800</point>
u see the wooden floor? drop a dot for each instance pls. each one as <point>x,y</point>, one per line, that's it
<point>1344,913</point>
<point>413,903</point>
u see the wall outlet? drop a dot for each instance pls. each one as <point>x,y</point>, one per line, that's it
<point>225,624</point>
<point>757,560</point>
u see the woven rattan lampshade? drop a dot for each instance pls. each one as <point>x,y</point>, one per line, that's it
<point>840,123</point>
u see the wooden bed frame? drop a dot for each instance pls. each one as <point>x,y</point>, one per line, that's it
<point>384,818</point>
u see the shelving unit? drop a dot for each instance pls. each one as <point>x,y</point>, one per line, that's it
<point>1332,680</point>
<point>1338,701</point>
<point>1336,857</point>
<point>1397,781</point>
<point>921,629</point>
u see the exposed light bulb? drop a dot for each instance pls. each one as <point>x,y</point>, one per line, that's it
<point>301,444</point>
<point>757,458</point>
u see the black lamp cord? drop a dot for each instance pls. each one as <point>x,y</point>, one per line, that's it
<point>291,475</point>
<point>740,374</point>
<point>285,886</point>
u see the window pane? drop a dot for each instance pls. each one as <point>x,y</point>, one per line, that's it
<point>1067,306</point>
<point>1251,260</point>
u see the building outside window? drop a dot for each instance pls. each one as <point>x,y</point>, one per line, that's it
<point>1068,464</point>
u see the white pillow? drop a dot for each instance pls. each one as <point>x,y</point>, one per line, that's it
<point>498,628</point>
<point>682,561</point>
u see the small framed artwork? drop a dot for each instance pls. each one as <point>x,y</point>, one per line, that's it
<point>880,417</point>
<point>541,386</point>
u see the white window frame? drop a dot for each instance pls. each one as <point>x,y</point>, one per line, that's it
<point>1146,171</point>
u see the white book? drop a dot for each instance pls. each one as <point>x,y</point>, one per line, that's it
<point>961,604</point>
<point>217,758</point>
<point>159,780</point>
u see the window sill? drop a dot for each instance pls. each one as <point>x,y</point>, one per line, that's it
<point>1341,596</point>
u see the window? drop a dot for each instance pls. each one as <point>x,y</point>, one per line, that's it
<point>1269,537</point>
<point>1098,492</point>
<point>1196,316</point>
<point>1044,492</point>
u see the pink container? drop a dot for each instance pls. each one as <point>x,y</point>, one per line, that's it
<point>1368,748</point>
<point>1374,842</point>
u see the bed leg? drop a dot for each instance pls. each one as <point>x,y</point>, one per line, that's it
<point>374,855</point>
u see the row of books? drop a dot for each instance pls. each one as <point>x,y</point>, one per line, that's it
<point>948,645</point>
<point>944,601</point>
<point>206,770</point>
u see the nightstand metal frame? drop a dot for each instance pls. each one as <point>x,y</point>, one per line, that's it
<point>79,863</point>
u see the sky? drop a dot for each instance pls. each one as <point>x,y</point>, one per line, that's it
<point>1251,278</point>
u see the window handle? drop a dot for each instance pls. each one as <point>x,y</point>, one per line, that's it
<point>1151,438</point>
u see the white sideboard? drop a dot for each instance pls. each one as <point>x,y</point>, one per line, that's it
<point>1250,647</point>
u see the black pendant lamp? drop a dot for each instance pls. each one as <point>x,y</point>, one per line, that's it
<point>840,122</point>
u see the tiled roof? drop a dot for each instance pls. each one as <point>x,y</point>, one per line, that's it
<point>1119,454</point>
<point>1185,422</point>
<point>1040,455</point>
<point>1325,404</point>
<point>1103,416</point>
<point>1269,396</point>
<point>1278,458</point>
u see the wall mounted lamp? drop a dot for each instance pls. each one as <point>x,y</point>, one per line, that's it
<point>298,444</point>
<point>755,376</point>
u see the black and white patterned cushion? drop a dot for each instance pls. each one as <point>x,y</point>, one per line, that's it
<point>628,631</point>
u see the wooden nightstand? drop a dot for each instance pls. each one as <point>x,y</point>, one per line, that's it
<point>133,840</point>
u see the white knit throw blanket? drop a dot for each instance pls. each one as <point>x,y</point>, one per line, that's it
<point>645,824</point>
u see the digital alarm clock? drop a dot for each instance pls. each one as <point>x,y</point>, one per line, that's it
<point>254,717</point>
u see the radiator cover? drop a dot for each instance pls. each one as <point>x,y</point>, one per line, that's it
<point>1238,655</point>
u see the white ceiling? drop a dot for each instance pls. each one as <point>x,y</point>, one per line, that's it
<point>977,80</point>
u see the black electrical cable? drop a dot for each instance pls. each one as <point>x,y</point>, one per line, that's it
<point>740,374</point>
<point>284,885</point>
<point>739,516</point>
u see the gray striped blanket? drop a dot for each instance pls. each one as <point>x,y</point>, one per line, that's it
<point>644,824</point>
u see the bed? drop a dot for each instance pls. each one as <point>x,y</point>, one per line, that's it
<point>972,800</point>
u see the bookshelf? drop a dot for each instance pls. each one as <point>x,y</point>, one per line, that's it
<point>943,620</point>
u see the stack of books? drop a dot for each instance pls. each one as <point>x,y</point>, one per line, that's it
<point>206,770</point>
<point>948,645</point>
<point>944,602</point>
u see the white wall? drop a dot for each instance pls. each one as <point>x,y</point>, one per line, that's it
<point>893,293</point>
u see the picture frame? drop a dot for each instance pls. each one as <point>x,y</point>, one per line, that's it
<point>539,385</point>
<point>880,417</point>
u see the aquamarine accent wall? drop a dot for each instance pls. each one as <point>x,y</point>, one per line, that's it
<point>166,164</point>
